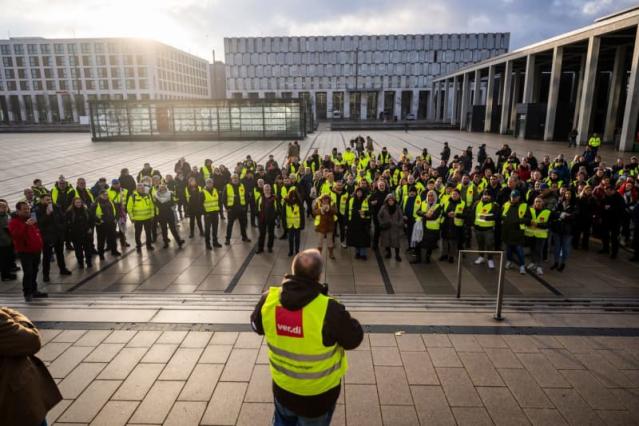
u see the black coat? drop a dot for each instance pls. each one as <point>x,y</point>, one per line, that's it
<point>127,182</point>
<point>358,234</point>
<point>511,232</point>
<point>563,226</point>
<point>79,223</point>
<point>196,201</point>
<point>52,226</point>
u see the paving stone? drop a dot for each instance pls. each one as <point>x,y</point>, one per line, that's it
<point>480,369</point>
<point>105,352</point>
<point>75,382</point>
<point>431,405</point>
<point>92,338</point>
<point>202,382</point>
<point>197,339</point>
<point>216,354</point>
<point>410,342</point>
<point>591,390</point>
<point>362,405</point>
<point>382,339</point>
<point>223,338</point>
<point>159,353</point>
<point>503,358</point>
<point>444,357</point>
<point>458,387</point>
<point>436,340</point>
<point>144,339</point>
<point>57,410</point>
<point>629,400</point>
<point>248,340</point>
<point>224,407</point>
<point>172,337</point>
<point>544,416</point>
<point>262,356</point>
<point>260,386</point>
<point>156,404</point>
<point>181,365</point>
<point>69,336</point>
<point>392,386</point>
<point>561,359</point>
<point>576,344</point>
<point>46,335</point>
<point>115,413</point>
<point>574,409</point>
<point>365,345</point>
<point>120,367</point>
<point>521,343</point>
<point>616,417</point>
<point>239,365</point>
<point>419,368</point>
<point>136,386</point>
<point>542,370</point>
<point>68,361</point>
<point>546,342</point>
<point>471,416</point>
<point>360,368</point>
<point>397,415</point>
<point>604,370</point>
<point>501,406</point>
<point>120,336</point>
<point>491,341</point>
<point>185,414</point>
<point>465,343</point>
<point>90,402</point>
<point>386,356</point>
<point>255,414</point>
<point>620,359</point>
<point>52,350</point>
<point>525,388</point>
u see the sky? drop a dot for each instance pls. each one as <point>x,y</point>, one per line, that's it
<point>199,26</point>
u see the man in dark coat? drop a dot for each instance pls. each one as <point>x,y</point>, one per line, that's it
<point>52,223</point>
<point>512,229</point>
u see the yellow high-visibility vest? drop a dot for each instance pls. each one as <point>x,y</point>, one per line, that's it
<point>211,200</point>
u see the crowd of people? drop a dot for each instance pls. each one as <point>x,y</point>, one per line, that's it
<point>357,198</point>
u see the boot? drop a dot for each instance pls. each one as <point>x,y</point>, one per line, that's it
<point>388,253</point>
<point>330,253</point>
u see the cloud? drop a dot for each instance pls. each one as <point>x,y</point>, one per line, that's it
<point>198,26</point>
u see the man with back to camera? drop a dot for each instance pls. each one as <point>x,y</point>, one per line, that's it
<point>307,333</point>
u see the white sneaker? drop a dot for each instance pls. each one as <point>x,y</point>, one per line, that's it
<point>491,264</point>
<point>522,270</point>
<point>479,260</point>
<point>530,266</point>
<point>539,271</point>
<point>509,265</point>
<point>344,245</point>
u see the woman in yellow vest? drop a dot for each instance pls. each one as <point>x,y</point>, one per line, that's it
<point>293,220</point>
<point>358,234</point>
<point>429,214</point>
<point>452,226</point>
<point>325,214</point>
<point>141,211</point>
<point>537,231</point>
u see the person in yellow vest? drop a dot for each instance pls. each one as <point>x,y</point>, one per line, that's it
<point>206,171</point>
<point>165,203</point>
<point>429,214</point>
<point>211,207</point>
<point>349,157</point>
<point>294,219</point>
<point>594,143</point>
<point>515,216</point>
<point>486,214</point>
<point>236,203</point>
<point>105,214</point>
<point>307,333</point>
<point>452,226</point>
<point>267,210</point>
<point>537,231</point>
<point>193,196</point>
<point>358,232</point>
<point>325,218</point>
<point>341,202</point>
<point>119,195</point>
<point>141,212</point>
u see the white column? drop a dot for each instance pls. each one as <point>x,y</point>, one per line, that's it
<point>513,107</point>
<point>629,126</point>
<point>507,78</point>
<point>490,88</point>
<point>438,101</point>
<point>454,106</point>
<point>529,79</point>
<point>397,110</point>
<point>477,88</point>
<point>553,92</point>
<point>329,104</point>
<point>414,103</point>
<point>346,111</point>
<point>590,76</point>
<point>614,93</point>
<point>380,102</point>
<point>580,85</point>
<point>464,102</point>
<point>363,105</point>
<point>445,101</point>
<point>23,107</point>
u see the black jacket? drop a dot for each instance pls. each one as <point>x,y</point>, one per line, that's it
<point>52,226</point>
<point>339,328</point>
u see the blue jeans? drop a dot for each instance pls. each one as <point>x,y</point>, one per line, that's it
<point>561,247</point>
<point>285,417</point>
<point>512,251</point>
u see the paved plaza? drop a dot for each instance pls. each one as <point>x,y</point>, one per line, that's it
<point>163,337</point>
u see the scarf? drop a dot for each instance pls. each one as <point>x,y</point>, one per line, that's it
<point>163,197</point>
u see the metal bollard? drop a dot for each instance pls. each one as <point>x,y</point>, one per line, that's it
<point>500,289</point>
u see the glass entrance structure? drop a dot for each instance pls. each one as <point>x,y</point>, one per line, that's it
<point>130,120</point>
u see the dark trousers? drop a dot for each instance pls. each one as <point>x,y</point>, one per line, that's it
<point>83,247</point>
<point>29,263</point>
<point>106,234</point>
<point>253,211</point>
<point>266,228</point>
<point>236,214</point>
<point>340,225</point>
<point>293,241</point>
<point>6,261</point>
<point>154,228</point>
<point>49,247</point>
<point>581,236</point>
<point>610,238</point>
<point>193,219</point>
<point>211,222</point>
<point>376,231</point>
<point>165,226</point>
<point>138,226</point>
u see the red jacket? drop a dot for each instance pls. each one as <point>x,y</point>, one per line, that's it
<point>26,238</point>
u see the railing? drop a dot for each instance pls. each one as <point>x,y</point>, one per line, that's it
<point>500,279</point>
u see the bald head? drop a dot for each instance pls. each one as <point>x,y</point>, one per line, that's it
<point>308,264</point>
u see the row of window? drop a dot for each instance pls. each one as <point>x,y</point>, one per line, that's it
<point>129,72</point>
<point>182,78</point>
<point>373,42</point>
<point>35,61</point>
<point>26,85</point>
<point>325,83</point>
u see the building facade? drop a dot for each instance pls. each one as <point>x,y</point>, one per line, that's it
<point>217,77</point>
<point>355,77</point>
<point>52,80</point>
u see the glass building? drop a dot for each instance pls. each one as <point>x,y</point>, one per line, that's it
<point>200,119</point>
